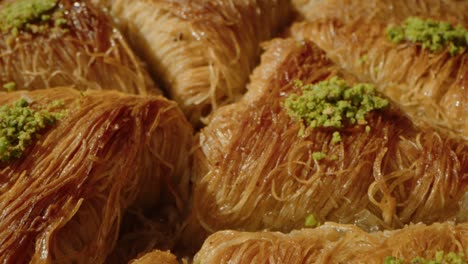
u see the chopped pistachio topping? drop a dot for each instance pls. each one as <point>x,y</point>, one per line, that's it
<point>336,138</point>
<point>333,104</point>
<point>10,86</point>
<point>392,260</point>
<point>433,35</point>
<point>364,59</point>
<point>311,221</point>
<point>20,125</point>
<point>318,156</point>
<point>439,258</point>
<point>18,14</point>
<point>60,21</point>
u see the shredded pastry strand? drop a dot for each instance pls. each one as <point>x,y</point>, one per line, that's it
<point>429,87</point>
<point>253,170</point>
<point>383,10</point>
<point>156,257</point>
<point>88,53</point>
<point>334,243</point>
<point>64,200</point>
<point>203,51</point>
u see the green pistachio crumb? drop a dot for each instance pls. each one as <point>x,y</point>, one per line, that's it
<point>368,129</point>
<point>392,260</point>
<point>439,258</point>
<point>14,32</point>
<point>21,12</point>
<point>454,258</point>
<point>430,34</point>
<point>20,124</point>
<point>318,156</point>
<point>333,103</point>
<point>10,86</point>
<point>363,60</point>
<point>45,17</point>
<point>311,221</point>
<point>57,103</point>
<point>60,21</point>
<point>336,138</point>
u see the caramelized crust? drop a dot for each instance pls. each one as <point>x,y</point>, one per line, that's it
<point>203,51</point>
<point>254,171</point>
<point>430,87</point>
<point>86,53</point>
<point>156,257</point>
<point>392,11</point>
<point>64,200</point>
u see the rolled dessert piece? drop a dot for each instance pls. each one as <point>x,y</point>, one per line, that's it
<point>49,43</point>
<point>265,162</point>
<point>72,163</point>
<point>156,257</point>
<point>390,10</point>
<point>202,51</point>
<point>338,243</point>
<point>415,51</point>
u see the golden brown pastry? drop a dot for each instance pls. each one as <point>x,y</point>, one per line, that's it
<point>156,257</point>
<point>382,10</point>
<point>63,199</point>
<point>203,51</point>
<point>66,42</point>
<point>335,243</point>
<point>253,169</point>
<point>429,86</point>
